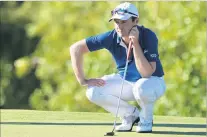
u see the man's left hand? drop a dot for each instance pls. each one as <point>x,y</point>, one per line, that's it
<point>134,35</point>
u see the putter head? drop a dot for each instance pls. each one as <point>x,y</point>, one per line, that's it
<point>109,134</point>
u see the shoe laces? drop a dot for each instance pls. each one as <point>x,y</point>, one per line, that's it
<point>129,118</point>
<point>126,120</point>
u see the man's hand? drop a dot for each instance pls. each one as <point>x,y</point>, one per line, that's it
<point>93,82</point>
<point>134,35</point>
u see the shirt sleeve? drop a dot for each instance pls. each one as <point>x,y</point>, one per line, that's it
<point>100,41</point>
<point>151,46</point>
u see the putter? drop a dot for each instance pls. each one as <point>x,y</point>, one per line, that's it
<point>122,85</point>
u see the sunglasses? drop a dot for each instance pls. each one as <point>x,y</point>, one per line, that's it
<point>121,12</point>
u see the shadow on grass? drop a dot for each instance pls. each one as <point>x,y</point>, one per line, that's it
<point>179,133</point>
<point>181,125</point>
<point>111,124</point>
<point>102,124</point>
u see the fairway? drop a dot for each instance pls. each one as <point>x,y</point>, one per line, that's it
<point>30,123</point>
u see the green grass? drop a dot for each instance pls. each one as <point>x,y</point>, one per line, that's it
<point>30,123</point>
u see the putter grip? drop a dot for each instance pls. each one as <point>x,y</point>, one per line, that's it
<point>129,49</point>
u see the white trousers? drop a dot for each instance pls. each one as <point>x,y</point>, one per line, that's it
<point>145,92</point>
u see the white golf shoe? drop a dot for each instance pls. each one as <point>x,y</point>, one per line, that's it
<point>128,122</point>
<point>144,127</point>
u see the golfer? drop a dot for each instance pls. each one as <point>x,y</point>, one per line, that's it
<point>144,82</point>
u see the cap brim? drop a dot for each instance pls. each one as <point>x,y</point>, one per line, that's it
<point>121,17</point>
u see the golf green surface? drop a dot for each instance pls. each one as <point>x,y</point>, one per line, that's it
<point>31,123</point>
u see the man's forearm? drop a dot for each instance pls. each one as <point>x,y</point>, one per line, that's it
<point>144,67</point>
<point>77,65</point>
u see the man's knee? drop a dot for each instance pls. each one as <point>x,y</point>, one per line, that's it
<point>92,94</point>
<point>143,91</point>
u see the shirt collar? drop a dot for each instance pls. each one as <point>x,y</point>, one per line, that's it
<point>118,39</point>
<point>120,42</point>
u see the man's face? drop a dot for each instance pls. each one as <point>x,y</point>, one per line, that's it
<point>123,27</point>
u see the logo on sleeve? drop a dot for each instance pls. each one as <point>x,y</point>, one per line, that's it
<point>153,55</point>
<point>145,51</point>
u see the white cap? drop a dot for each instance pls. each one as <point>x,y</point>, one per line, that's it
<point>124,11</point>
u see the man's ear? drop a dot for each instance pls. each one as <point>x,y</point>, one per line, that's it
<point>137,20</point>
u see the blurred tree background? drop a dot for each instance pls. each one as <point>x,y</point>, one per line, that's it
<point>36,71</point>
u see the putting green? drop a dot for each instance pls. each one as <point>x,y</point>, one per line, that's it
<point>31,123</point>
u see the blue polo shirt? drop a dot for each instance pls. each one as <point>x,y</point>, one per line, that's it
<point>113,43</point>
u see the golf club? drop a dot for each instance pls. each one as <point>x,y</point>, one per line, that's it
<point>122,85</point>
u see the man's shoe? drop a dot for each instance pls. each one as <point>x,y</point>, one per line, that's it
<point>144,127</point>
<point>128,122</point>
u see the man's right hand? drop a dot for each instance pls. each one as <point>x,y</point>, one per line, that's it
<point>93,82</point>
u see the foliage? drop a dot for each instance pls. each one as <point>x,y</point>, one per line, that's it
<point>17,76</point>
<point>180,27</point>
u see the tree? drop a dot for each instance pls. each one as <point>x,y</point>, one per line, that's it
<point>16,85</point>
